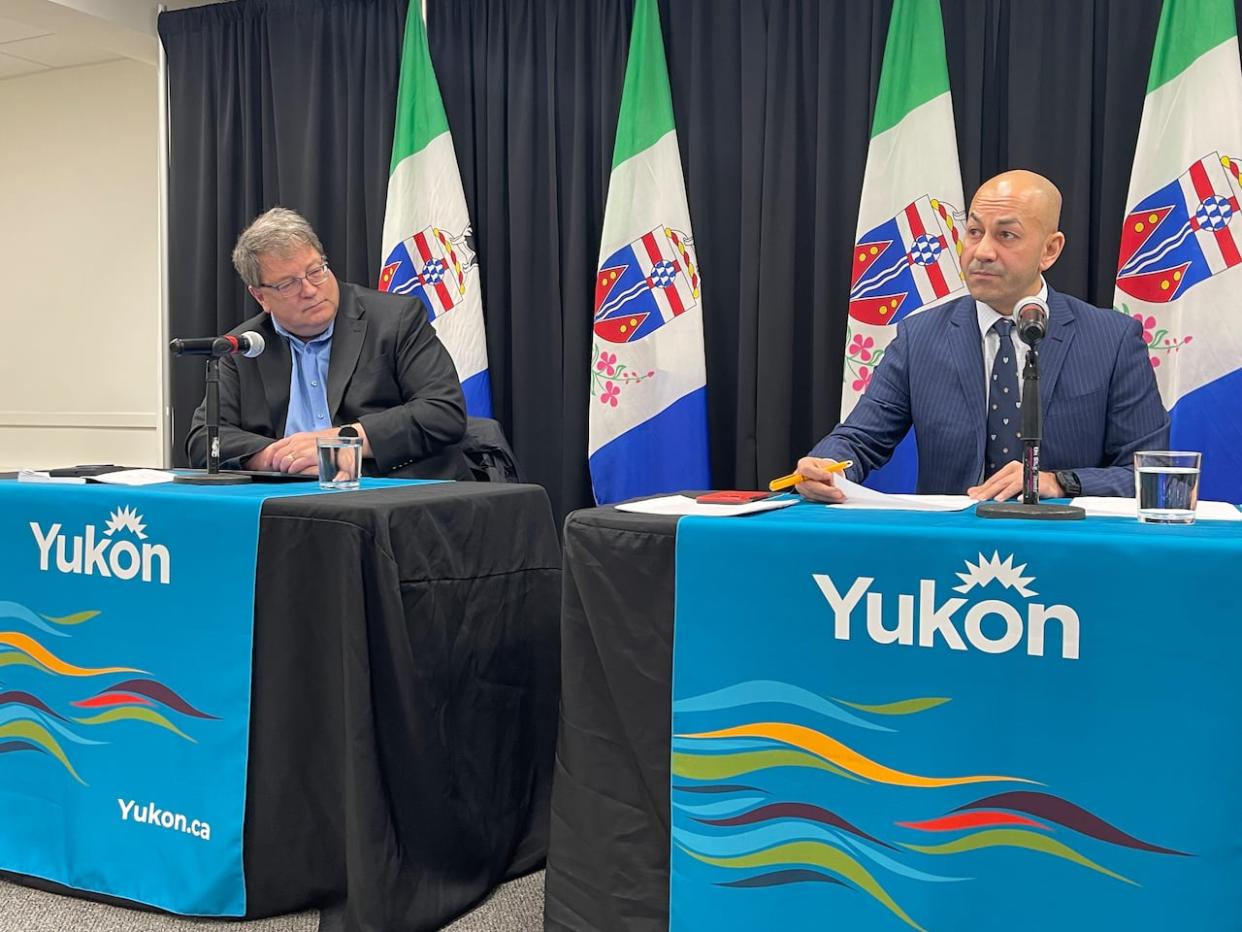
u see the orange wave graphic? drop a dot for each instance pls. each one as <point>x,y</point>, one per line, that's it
<point>32,648</point>
<point>837,753</point>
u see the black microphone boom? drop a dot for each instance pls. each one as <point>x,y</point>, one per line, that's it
<point>249,344</point>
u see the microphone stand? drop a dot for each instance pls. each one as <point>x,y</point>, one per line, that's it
<point>212,476</point>
<point>1032,434</point>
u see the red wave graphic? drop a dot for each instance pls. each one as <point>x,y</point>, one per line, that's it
<point>952,823</point>
<point>794,811</point>
<point>1063,812</point>
<point>104,700</point>
<point>160,693</point>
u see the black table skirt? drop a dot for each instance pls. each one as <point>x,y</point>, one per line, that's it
<point>608,855</point>
<point>403,704</point>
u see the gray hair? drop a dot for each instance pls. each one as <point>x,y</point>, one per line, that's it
<point>279,232</point>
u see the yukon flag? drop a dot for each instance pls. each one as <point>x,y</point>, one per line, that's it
<point>1181,244</point>
<point>909,221</point>
<point>426,225</point>
<point>648,412</point>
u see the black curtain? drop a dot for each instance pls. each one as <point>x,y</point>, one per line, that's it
<point>272,102</point>
<point>773,100</point>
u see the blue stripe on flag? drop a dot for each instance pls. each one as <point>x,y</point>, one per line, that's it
<point>901,472</point>
<point>666,453</point>
<point>478,392</point>
<point>1206,420</point>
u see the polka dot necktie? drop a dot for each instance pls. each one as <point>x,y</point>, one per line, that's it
<point>1004,441</point>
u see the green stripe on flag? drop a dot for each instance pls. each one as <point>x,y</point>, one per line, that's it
<point>420,110</point>
<point>646,100</point>
<point>1188,28</point>
<point>914,69</point>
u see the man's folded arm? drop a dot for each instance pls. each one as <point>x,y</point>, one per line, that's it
<point>433,414</point>
<point>1136,419</point>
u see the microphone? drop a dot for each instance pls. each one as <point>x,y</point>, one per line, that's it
<point>1032,318</point>
<point>249,344</point>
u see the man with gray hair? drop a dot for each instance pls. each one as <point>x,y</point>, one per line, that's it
<point>337,355</point>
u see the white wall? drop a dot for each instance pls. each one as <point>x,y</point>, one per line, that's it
<point>80,320</point>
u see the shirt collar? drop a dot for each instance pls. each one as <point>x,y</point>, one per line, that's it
<point>988,315</point>
<point>297,342</point>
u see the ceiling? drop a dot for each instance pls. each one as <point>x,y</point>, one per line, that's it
<point>41,35</point>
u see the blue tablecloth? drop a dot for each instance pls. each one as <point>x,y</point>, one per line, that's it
<point>126,624</point>
<point>932,721</point>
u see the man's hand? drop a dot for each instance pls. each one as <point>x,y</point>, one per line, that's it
<point>297,453</point>
<point>820,485</point>
<point>261,461</point>
<point>1006,483</point>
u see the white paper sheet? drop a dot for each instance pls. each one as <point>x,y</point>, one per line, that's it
<point>35,475</point>
<point>684,505</point>
<point>1102,507</point>
<point>860,497</point>
<point>135,477</point>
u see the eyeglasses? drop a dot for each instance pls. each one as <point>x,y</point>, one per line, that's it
<point>291,286</point>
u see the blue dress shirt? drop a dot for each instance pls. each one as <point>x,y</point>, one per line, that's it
<point>308,381</point>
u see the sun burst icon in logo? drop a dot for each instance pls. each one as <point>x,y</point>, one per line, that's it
<point>126,519</point>
<point>1004,572</point>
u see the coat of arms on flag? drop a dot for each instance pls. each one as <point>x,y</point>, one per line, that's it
<point>908,262</point>
<point>645,284</point>
<point>431,264</point>
<point>1183,233</point>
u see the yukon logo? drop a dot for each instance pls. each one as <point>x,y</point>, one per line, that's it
<point>990,625</point>
<point>111,553</point>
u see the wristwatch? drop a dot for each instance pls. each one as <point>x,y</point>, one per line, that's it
<point>349,430</point>
<point>1069,482</point>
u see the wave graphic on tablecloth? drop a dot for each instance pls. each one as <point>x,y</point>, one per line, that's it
<point>731,815</point>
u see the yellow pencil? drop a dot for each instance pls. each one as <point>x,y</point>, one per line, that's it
<point>787,482</point>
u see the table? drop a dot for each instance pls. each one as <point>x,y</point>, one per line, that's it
<point>608,861</point>
<point>404,701</point>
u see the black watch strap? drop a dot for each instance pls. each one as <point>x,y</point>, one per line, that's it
<point>1069,482</point>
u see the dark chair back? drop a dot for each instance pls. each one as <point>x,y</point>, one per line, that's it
<point>488,452</point>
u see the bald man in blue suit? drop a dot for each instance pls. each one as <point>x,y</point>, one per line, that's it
<point>1099,394</point>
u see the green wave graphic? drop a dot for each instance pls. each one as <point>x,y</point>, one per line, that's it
<point>1016,838</point>
<point>134,713</point>
<point>75,619</point>
<point>904,707</point>
<point>821,855</point>
<point>726,766</point>
<point>16,657</point>
<point>33,731</point>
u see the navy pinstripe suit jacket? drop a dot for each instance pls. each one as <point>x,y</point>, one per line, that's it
<point>1098,391</point>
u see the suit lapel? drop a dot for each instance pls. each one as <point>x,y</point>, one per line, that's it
<point>275,369</point>
<point>966,357</point>
<point>1055,346</point>
<point>347,337</point>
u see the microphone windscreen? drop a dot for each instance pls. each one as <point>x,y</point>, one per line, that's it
<point>1032,319</point>
<point>256,343</point>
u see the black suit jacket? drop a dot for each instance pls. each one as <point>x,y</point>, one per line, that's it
<point>387,370</point>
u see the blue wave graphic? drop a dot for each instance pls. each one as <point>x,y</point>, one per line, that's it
<point>895,866</point>
<point>754,692</point>
<point>22,613</point>
<point>793,830</point>
<point>15,713</point>
<point>724,807</point>
<point>721,745</point>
